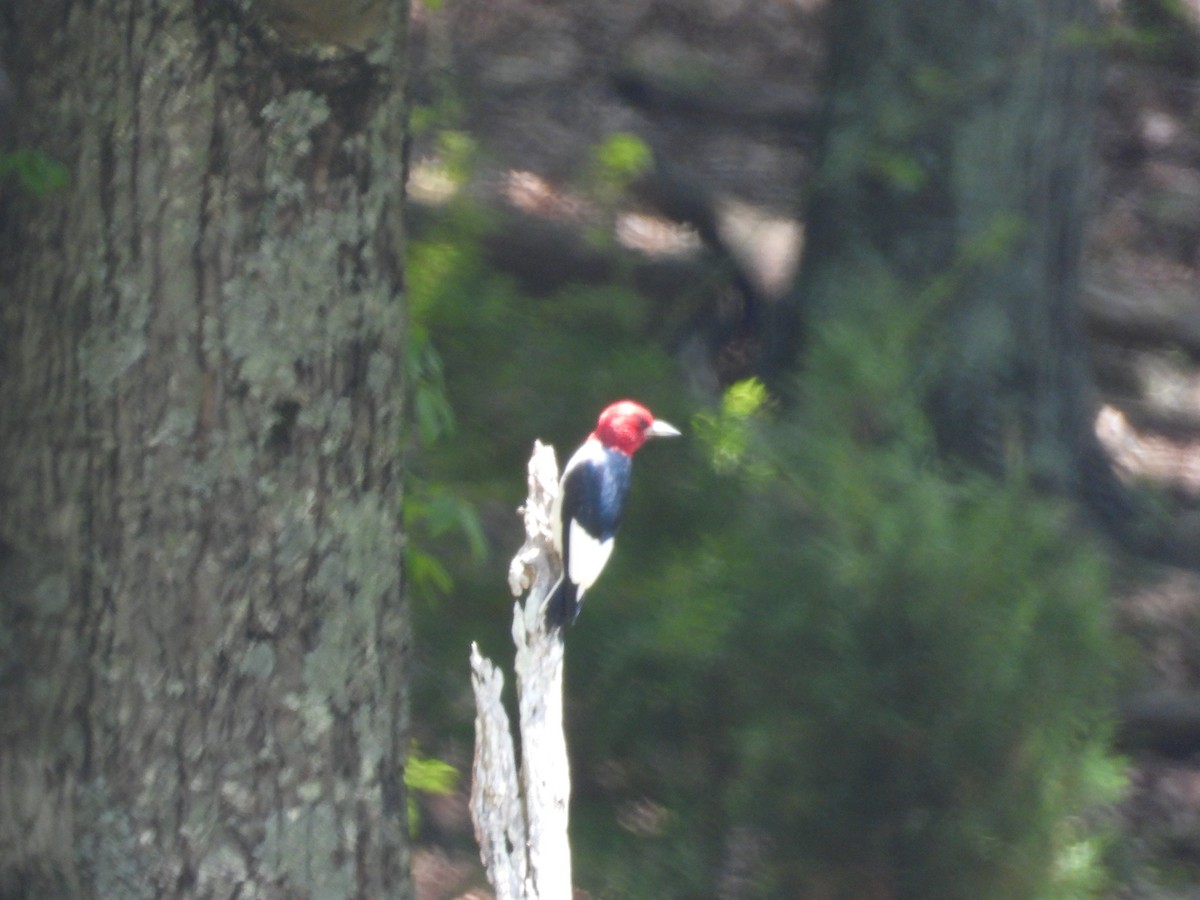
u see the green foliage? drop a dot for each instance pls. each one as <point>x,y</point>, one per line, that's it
<point>726,434</point>
<point>457,152</point>
<point>895,674</point>
<point>433,509</point>
<point>35,171</point>
<point>431,409</point>
<point>617,161</point>
<point>943,646</point>
<point>620,158</point>
<point>901,170</point>
<point>427,775</point>
<point>938,660</point>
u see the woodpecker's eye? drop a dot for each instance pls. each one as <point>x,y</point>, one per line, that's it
<point>643,423</point>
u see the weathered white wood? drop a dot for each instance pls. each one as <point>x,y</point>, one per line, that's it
<point>522,828</point>
<point>545,775</point>
<point>495,792</point>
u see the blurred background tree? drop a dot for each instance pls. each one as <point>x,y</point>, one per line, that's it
<point>857,640</point>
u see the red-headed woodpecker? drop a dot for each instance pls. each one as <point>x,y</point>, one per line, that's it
<point>591,499</point>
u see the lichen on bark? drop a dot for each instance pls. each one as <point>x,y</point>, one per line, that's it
<point>204,382</point>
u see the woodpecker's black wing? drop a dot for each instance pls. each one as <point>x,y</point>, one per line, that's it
<point>593,501</point>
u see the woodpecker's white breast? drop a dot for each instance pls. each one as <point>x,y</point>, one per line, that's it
<point>588,557</point>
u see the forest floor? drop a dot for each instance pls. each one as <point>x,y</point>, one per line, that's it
<point>538,86</point>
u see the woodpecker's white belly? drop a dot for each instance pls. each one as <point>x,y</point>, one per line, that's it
<point>588,557</point>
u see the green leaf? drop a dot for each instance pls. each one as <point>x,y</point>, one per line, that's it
<point>429,776</point>
<point>434,417</point>
<point>443,511</point>
<point>744,398</point>
<point>616,162</point>
<point>727,435</point>
<point>426,575</point>
<point>898,168</point>
<point>623,156</point>
<point>37,172</point>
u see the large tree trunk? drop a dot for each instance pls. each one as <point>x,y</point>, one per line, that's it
<point>204,642</point>
<point>955,165</point>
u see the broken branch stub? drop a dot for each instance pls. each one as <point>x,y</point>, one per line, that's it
<point>521,824</point>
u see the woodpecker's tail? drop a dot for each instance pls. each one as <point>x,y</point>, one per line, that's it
<point>563,606</point>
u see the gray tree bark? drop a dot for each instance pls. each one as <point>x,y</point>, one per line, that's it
<point>203,634</point>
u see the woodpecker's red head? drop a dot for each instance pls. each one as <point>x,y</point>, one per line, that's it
<point>626,425</point>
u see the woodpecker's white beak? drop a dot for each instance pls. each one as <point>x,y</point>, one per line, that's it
<point>659,428</point>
